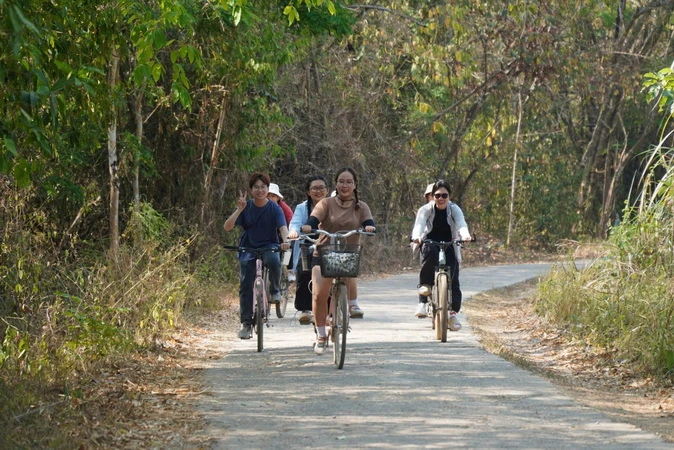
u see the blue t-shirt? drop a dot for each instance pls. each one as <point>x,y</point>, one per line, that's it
<point>260,225</point>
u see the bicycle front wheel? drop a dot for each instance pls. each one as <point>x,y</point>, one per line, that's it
<point>340,324</point>
<point>260,313</point>
<point>442,316</point>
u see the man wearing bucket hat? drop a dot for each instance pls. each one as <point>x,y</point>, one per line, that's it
<point>275,196</point>
<point>428,194</point>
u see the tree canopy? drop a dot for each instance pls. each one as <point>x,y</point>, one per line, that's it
<point>522,106</point>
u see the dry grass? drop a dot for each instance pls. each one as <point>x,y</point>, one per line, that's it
<point>507,325</point>
<point>144,400</point>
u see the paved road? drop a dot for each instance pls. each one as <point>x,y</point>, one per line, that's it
<point>399,387</point>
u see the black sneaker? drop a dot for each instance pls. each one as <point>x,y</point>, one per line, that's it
<point>246,331</point>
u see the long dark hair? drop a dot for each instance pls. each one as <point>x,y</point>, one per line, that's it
<point>311,179</point>
<point>355,180</point>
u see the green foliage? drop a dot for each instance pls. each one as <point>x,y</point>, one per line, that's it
<point>44,78</point>
<point>293,15</point>
<point>148,225</point>
<point>335,20</point>
<point>660,87</point>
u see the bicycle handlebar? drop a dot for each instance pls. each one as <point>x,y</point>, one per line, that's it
<point>252,250</point>
<point>450,242</point>
<point>336,234</point>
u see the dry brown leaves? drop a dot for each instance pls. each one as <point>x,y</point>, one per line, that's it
<point>147,400</point>
<point>507,325</point>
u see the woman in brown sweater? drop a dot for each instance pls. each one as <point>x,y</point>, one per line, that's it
<point>339,213</point>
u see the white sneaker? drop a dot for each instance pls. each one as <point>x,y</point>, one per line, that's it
<point>421,311</point>
<point>320,345</point>
<point>355,312</point>
<point>454,324</point>
<point>425,290</point>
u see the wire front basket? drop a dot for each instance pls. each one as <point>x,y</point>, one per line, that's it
<point>339,260</point>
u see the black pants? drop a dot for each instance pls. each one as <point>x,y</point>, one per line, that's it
<point>429,261</point>
<point>302,293</point>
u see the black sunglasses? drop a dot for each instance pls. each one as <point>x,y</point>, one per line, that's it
<point>441,195</point>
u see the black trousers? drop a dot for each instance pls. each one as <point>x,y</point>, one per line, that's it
<point>429,261</point>
<point>302,293</point>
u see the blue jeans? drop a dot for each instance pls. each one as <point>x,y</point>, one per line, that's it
<point>273,263</point>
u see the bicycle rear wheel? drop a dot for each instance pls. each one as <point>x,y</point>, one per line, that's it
<point>284,291</point>
<point>340,324</point>
<point>442,315</point>
<point>260,313</point>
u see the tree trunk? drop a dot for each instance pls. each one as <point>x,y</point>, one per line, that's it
<point>138,113</point>
<point>113,164</point>
<point>215,157</point>
<point>511,215</point>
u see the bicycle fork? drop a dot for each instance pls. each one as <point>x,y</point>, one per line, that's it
<point>441,268</point>
<point>260,287</point>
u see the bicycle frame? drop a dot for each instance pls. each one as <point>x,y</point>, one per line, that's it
<point>260,301</point>
<point>338,310</point>
<point>440,299</point>
<point>260,291</point>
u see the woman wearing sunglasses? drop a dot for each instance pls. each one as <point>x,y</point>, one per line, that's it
<point>440,220</point>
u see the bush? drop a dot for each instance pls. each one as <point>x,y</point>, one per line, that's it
<point>62,316</point>
<point>624,301</point>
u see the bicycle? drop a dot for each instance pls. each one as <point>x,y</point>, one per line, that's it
<point>440,299</point>
<point>261,292</point>
<point>339,261</point>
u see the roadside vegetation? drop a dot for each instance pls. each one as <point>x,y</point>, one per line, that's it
<point>624,301</point>
<point>129,129</point>
<point>71,314</point>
